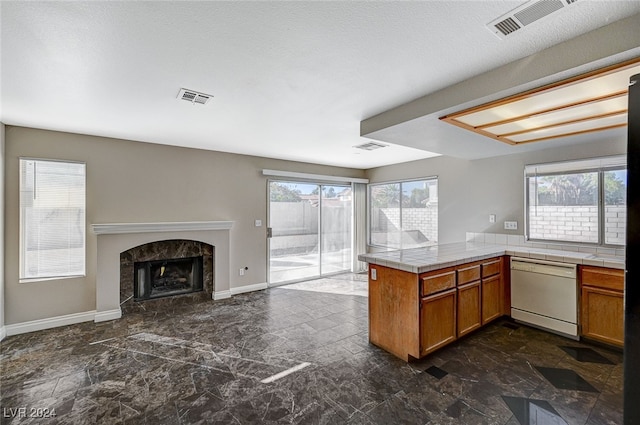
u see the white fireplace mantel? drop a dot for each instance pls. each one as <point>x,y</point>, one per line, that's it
<point>121,228</point>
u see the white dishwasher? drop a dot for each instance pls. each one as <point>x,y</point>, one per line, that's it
<point>545,294</point>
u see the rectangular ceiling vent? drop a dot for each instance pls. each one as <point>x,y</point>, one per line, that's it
<point>370,146</point>
<point>524,15</point>
<point>194,96</point>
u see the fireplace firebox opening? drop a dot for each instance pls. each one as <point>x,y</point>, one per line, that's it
<point>169,277</point>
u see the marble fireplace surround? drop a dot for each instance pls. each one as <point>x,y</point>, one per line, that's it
<point>114,238</point>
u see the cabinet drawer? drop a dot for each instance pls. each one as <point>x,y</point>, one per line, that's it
<point>603,278</point>
<point>491,268</point>
<point>438,281</point>
<point>468,274</point>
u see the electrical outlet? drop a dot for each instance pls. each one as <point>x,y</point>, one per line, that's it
<point>258,223</point>
<point>511,225</point>
<point>492,218</point>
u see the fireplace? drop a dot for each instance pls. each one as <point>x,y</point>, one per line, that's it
<point>165,278</point>
<point>165,275</point>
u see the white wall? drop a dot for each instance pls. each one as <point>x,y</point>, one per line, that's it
<point>130,182</point>
<point>468,191</point>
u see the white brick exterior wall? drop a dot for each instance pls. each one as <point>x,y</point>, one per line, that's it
<point>577,223</point>
<point>387,220</point>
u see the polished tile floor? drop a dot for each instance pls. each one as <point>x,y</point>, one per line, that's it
<point>298,356</point>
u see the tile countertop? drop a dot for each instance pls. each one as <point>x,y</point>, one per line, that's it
<point>420,260</point>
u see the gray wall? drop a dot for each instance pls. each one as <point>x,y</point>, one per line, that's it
<point>139,182</point>
<point>468,191</point>
<point>129,182</point>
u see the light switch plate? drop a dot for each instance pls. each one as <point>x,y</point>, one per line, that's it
<point>511,225</point>
<point>492,218</point>
<point>258,223</point>
<point>374,274</point>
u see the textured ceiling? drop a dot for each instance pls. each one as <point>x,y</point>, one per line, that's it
<point>290,80</point>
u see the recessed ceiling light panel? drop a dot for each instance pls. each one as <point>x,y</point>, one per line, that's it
<point>592,102</point>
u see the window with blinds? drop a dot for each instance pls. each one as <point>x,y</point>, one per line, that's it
<point>52,219</point>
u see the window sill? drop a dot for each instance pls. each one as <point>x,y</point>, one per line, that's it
<point>47,279</point>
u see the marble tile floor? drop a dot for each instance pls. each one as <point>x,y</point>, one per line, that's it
<point>285,356</point>
<point>344,283</point>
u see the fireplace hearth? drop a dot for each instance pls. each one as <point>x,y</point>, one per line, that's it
<point>165,278</point>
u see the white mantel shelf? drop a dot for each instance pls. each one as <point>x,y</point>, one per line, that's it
<point>123,228</point>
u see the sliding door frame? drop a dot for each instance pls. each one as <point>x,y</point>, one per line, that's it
<point>321,184</point>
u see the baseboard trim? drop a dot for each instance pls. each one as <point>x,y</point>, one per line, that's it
<point>3,332</point>
<point>249,288</point>
<point>104,316</point>
<point>221,295</point>
<point>51,322</point>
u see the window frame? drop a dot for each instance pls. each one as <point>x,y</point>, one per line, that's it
<point>578,168</point>
<point>370,204</point>
<point>22,230</point>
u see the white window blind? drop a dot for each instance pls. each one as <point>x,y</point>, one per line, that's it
<point>52,219</point>
<point>616,161</point>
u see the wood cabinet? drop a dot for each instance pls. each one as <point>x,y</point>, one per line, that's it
<point>394,309</point>
<point>491,299</point>
<point>438,281</point>
<point>437,321</point>
<point>469,305</point>
<point>469,297</point>
<point>491,267</point>
<point>468,273</point>
<point>492,290</point>
<point>437,309</point>
<point>412,315</point>
<point>602,304</point>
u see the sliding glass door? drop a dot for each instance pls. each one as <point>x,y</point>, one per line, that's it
<point>294,246</point>
<point>310,225</point>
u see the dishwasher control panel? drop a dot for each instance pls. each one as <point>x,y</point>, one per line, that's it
<point>552,268</point>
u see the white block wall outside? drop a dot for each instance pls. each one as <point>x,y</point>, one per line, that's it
<point>577,223</point>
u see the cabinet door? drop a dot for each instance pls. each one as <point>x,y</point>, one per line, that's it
<point>492,296</point>
<point>469,317</point>
<point>437,321</point>
<point>603,315</point>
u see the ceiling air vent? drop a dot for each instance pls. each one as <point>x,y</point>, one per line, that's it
<point>194,96</point>
<point>507,26</point>
<point>370,146</point>
<point>526,14</point>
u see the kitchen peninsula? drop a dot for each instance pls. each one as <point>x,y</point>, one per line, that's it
<point>422,299</point>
